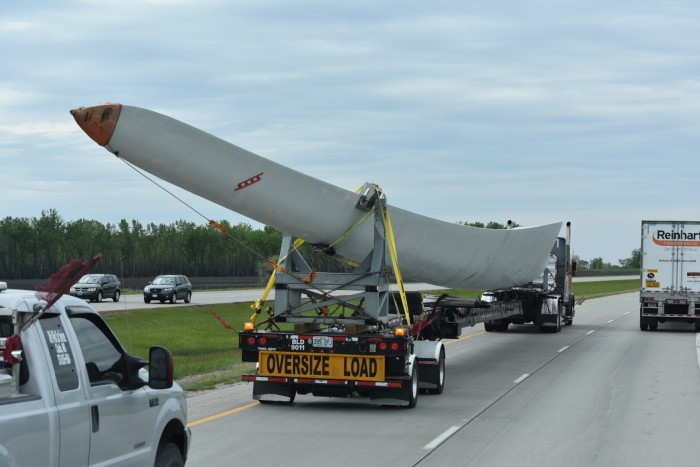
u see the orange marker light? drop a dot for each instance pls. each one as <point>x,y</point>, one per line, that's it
<point>249,326</point>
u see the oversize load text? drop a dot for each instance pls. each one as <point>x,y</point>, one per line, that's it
<point>321,366</point>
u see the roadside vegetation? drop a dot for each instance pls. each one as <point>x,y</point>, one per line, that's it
<point>35,248</point>
<point>206,354</point>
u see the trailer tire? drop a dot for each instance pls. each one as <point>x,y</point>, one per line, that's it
<point>489,327</point>
<point>697,325</point>
<point>653,326</point>
<point>441,375</point>
<point>643,326</point>
<point>413,389</point>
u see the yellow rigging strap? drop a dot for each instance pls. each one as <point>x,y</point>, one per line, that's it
<point>260,302</point>
<point>395,262</point>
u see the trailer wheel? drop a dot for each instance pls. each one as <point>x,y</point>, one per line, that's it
<point>441,375</point>
<point>413,390</point>
<point>653,326</point>
<point>643,326</point>
<point>489,327</point>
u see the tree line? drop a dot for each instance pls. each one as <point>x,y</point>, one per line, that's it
<point>35,248</point>
<point>38,247</point>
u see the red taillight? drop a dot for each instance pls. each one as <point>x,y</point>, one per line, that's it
<point>394,346</point>
<point>262,341</point>
<point>251,341</point>
<point>382,346</point>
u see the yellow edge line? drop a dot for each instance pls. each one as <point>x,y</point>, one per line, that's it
<point>223,414</point>
<point>465,337</point>
<point>253,404</point>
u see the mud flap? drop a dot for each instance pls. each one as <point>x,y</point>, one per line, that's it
<point>264,391</point>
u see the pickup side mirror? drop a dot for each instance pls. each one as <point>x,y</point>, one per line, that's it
<point>160,368</point>
<point>573,268</point>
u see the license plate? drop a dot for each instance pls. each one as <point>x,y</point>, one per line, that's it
<point>321,366</point>
<point>154,295</point>
<point>325,342</point>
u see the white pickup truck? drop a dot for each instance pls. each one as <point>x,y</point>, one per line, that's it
<point>70,395</point>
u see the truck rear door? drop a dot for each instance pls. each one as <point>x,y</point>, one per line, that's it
<point>671,256</point>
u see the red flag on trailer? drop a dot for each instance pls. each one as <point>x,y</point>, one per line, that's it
<point>61,282</point>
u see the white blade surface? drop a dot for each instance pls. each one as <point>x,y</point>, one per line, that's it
<point>429,250</point>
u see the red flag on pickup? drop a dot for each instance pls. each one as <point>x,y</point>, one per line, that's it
<point>61,281</point>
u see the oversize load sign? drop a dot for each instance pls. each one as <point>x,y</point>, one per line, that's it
<point>321,366</point>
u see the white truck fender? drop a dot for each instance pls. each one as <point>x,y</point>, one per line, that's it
<point>428,350</point>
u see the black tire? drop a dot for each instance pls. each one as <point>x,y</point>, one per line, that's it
<point>188,297</point>
<point>146,300</point>
<point>413,389</point>
<point>697,325</point>
<point>168,455</point>
<point>653,326</point>
<point>161,300</point>
<point>441,375</point>
<point>643,326</point>
<point>503,327</point>
<point>117,294</point>
<point>98,297</point>
<point>173,297</point>
<point>489,327</point>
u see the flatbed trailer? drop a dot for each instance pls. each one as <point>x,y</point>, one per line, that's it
<point>376,343</point>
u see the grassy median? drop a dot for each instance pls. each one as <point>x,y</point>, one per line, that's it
<point>206,353</point>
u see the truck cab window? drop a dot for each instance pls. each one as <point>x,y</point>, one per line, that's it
<point>103,359</point>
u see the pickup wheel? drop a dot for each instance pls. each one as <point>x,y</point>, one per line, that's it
<point>117,294</point>
<point>168,455</point>
<point>147,300</point>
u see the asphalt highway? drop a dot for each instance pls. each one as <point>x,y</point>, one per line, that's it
<point>600,393</point>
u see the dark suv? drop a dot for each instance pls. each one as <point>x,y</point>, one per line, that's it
<point>168,287</point>
<point>95,287</point>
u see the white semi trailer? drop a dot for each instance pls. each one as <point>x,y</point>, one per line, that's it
<point>670,273</point>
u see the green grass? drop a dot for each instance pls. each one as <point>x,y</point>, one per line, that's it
<point>199,342</point>
<point>207,354</point>
<point>603,288</point>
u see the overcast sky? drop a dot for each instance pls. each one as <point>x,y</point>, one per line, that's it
<point>536,111</point>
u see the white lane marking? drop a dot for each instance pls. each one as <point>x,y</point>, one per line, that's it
<point>590,332</point>
<point>611,321</point>
<point>628,312</point>
<point>697,346</point>
<point>522,378</point>
<point>562,349</point>
<point>436,442</point>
